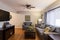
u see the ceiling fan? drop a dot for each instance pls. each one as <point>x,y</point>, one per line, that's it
<point>28,6</point>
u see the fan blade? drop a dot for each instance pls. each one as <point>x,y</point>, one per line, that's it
<point>32,7</point>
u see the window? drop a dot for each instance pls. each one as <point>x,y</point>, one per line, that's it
<point>53,18</point>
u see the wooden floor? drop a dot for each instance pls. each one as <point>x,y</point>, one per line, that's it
<point>19,35</point>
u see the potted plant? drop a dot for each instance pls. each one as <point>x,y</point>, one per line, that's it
<point>30,28</point>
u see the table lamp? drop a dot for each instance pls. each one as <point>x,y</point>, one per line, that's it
<point>39,21</point>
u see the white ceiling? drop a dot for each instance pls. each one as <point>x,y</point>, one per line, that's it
<point>38,4</point>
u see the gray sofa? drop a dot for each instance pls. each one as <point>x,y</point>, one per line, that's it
<point>26,25</point>
<point>40,32</point>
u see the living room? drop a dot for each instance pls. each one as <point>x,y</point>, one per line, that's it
<point>23,11</point>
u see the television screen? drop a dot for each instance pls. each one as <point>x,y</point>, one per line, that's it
<point>4,15</point>
<point>53,17</point>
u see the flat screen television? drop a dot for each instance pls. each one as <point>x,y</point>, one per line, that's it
<point>52,17</point>
<point>4,15</point>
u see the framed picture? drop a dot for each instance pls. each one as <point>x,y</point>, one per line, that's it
<point>27,17</point>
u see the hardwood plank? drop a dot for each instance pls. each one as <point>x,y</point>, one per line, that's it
<point>19,35</point>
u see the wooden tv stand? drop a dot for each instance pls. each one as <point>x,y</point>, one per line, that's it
<point>6,32</point>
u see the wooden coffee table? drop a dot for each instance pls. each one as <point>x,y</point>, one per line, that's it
<point>29,34</point>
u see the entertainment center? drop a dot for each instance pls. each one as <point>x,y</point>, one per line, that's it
<point>6,29</point>
<point>7,32</point>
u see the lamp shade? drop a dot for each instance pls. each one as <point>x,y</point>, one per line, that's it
<point>39,20</point>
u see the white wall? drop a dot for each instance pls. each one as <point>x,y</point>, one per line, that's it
<point>18,19</point>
